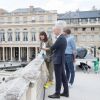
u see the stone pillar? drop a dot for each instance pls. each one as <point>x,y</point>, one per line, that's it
<point>36,51</point>
<point>13,36</point>
<point>6,53</point>
<point>21,36</point>
<point>27,53</point>
<point>6,39</point>
<point>29,36</point>
<point>19,54</point>
<point>14,52</point>
<point>3,54</point>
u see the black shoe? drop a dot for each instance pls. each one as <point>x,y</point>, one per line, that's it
<point>54,96</point>
<point>64,94</point>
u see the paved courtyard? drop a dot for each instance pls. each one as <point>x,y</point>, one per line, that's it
<point>86,87</point>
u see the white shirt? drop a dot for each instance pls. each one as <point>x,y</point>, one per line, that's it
<point>58,36</point>
<point>43,46</point>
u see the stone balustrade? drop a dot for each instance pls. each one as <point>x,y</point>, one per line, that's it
<point>26,83</point>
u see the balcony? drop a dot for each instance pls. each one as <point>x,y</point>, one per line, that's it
<point>28,22</point>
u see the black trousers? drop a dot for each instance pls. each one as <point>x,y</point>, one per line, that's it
<point>60,79</point>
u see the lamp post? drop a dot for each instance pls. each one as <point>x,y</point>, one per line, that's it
<point>94,49</point>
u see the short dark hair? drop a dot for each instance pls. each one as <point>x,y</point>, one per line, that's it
<point>66,30</point>
<point>45,36</point>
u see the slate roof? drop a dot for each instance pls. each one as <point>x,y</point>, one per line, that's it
<point>79,14</point>
<point>26,10</point>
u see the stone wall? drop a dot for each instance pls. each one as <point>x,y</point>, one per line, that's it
<point>26,83</point>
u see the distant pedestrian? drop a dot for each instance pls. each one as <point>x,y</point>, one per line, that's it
<point>70,54</point>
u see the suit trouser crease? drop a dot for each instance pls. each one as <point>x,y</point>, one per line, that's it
<point>60,78</point>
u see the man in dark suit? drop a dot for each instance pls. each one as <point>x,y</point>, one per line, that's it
<point>59,60</point>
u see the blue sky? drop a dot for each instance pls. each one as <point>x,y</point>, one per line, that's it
<point>60,5</point>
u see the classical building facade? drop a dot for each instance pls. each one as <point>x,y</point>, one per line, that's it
<point>85,25</point>
<point>19,32</point>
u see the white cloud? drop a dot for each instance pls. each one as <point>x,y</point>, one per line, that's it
<point>71,5</point>
<point>59,5</point>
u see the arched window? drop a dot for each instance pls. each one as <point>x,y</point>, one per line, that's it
<point>17,35</point>
<point>9,34</point>
<point>2,35</point>
<point>33,34</point>
<point>25,35</point>
<point>49,32</point>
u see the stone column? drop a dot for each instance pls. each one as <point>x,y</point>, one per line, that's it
<point>6,39</point>
<point>21,35</point>
<point>88,21</point>
<point>29,36</point>
<point>6,53</point>
<point>13,36</point>
<point>20,52</point>
<point>97,20</point>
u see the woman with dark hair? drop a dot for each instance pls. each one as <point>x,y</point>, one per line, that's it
<point>47,43</point>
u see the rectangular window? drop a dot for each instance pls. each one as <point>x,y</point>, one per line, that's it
<point>68,21</point>
<point>92,20</point>
<point>17,20</point>
<point>2,36</point>
<point>24,19</point>
<point>92,28</point>
<point>9,20</point>
<point>84,21</point>
<point>25,36</point>
<point>17,36</point>
<point>76,29</point>
<point>50,18</point>
<point>33,19</point>
<point>82,38</point>
<point>1,20</point>
<point>9,36</point>
<point>33,36</point>
<point>91,37</point>
<point>84,29</point>
<point>41,19</point>
<point>74,21</point>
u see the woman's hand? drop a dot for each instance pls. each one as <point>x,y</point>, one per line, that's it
<point>45,49</point>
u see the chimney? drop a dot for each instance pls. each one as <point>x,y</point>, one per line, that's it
<point>31,8</point>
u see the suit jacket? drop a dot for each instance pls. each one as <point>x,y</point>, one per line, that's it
<point>59,48</point>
